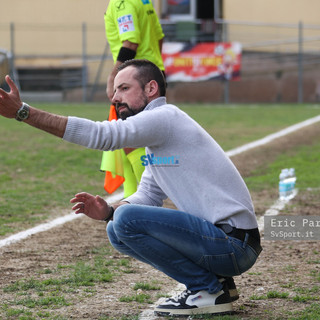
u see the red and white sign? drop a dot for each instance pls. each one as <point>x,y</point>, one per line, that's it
<point>202,61</point>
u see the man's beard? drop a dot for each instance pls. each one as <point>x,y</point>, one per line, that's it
<point>128,112</point>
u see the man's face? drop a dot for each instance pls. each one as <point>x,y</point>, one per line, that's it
<point>129,98</point>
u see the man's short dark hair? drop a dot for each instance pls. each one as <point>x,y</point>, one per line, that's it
<point>146,71</point>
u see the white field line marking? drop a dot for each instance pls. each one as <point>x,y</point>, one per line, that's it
<point>274,210</point>
<point>47,226</point>
<point>273,136</point>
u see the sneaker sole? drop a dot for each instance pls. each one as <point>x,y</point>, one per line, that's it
<point>217,309</point>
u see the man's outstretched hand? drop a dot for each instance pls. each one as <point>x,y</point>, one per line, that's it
<point>10,102</point>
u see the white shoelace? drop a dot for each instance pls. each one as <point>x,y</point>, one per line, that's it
<point>181,295</point>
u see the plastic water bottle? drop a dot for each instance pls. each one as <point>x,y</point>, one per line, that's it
<point>283,184</point>
<point>287,182</point>
<point>291,182</point>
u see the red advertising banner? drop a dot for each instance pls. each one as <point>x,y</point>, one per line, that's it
<point>202,61</point>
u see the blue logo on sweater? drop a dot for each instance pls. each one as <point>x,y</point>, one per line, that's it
<point>145,1</point>
<point>150,159</point>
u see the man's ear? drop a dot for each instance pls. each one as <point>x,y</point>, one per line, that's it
<point>151,89</point>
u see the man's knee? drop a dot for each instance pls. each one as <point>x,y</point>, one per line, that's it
<point>121,213</point>
<point>122,217</point>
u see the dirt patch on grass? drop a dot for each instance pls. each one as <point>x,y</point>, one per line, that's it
<point>284,281</point>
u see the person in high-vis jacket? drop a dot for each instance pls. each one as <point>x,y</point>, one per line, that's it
<point>133,31</point>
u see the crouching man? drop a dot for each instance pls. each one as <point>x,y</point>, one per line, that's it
<point>213,234</point>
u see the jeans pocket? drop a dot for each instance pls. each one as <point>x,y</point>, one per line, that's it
<point>222,264</point>
<point>244,254</point>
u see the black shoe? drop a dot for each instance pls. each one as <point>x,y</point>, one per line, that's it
<point>196,302</point>
<point>234,294</point>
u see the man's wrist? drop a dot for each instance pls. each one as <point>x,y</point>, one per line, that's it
<point>23,113</point>
<point>110,216</point>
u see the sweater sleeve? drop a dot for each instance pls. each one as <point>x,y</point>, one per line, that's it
<point>141,130</point>
<point>87,133</point>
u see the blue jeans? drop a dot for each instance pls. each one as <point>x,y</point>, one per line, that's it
<point>186,248</point>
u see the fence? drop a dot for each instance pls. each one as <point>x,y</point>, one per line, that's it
<point>279,50</point>
<point>51,57</point>
<point>280,62</point>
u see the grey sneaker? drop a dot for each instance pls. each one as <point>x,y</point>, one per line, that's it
<point>196,302</point>
<point>234,294</point>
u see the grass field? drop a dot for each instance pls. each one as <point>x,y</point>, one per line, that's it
<point>40,173</point>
